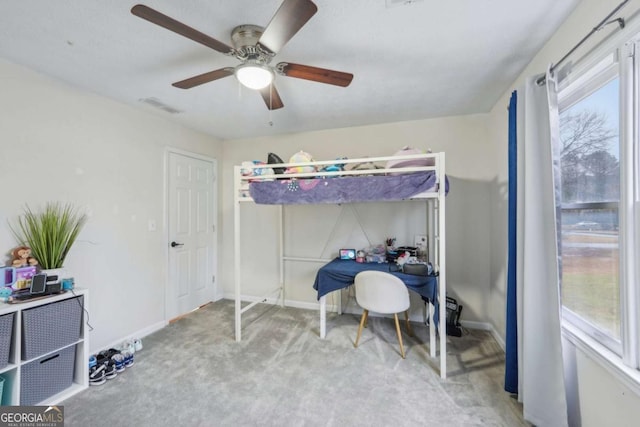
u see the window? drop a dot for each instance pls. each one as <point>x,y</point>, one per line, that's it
<point>598,158</point>
<point>590,194</point>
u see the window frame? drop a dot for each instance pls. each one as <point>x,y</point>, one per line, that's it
<point>630,200</point>
<point>617,57</point>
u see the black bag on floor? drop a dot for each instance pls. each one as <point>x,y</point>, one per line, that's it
<point>453,317</point>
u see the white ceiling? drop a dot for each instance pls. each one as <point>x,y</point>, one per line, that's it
<point>422,59</point>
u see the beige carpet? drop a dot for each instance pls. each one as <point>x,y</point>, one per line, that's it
<point>193,373</point>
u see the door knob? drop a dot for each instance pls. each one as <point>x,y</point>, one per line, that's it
<point>174,244</point>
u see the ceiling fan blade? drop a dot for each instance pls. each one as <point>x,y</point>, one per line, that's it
<point>171,24</point>
<point>289,18</point>
<point>271,97</point>
<point>320,75</point>
<point>203,78</point>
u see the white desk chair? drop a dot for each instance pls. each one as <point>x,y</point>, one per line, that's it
<point>382,293</point>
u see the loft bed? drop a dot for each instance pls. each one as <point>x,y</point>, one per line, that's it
<point>404,178</point>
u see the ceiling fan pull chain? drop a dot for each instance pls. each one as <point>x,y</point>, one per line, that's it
<point>271,104</point>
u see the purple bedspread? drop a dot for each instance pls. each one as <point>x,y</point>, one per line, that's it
<point>347,189</point>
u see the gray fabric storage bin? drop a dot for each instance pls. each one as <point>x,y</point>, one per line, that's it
<point>46,376</point>
<point>51,326</point>
<point>6,335</point>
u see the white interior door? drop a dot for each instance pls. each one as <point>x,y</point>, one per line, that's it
<point>191,232</point>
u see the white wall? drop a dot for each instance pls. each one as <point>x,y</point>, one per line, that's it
<point>62,144</point>
<point>470,170</point>
<point>598,398</point>
<point>581,372</point>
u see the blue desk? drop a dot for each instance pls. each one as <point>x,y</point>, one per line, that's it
<point>339,274</point>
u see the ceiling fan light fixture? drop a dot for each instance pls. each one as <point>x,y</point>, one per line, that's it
<point>254,76</point>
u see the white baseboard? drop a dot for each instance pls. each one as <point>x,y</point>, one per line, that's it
<point>482,326</point>
<point>500,342</point>
<point>139,334</point>
<point>498,338</point>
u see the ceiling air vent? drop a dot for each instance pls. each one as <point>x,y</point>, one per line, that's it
<point>156,103</point>
<point>396,3</point>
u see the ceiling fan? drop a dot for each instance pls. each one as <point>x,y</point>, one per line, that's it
<point>255,47</point>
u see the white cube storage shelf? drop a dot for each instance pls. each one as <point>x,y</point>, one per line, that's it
<point>48,349</point>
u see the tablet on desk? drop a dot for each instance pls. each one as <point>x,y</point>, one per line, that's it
<point>38,284</point>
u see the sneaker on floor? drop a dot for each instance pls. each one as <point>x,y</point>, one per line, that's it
<point>101,359</point>
<point>118,359</point>
<point>111,370</point>
<point>106,354</point>
<point>127,346</point>
<point>137,344</point>
<point>128,359</point>
<point>97,375</point>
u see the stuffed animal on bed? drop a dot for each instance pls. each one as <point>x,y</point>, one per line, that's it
<point>301,157</point>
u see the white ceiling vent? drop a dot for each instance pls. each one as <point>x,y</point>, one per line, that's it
<point>156,103</point>
<point>396,3</point>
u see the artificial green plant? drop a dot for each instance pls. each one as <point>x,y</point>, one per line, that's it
<point>49,233</point>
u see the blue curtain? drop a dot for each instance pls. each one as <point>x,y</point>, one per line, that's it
<point>511,353</point>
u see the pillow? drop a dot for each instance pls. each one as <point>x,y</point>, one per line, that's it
<point>403,163</point>
<point>301,157</point>
<point>247,170</point>
<point>364,166</point>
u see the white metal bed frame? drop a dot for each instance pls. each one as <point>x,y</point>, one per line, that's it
<point>435,224</point>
